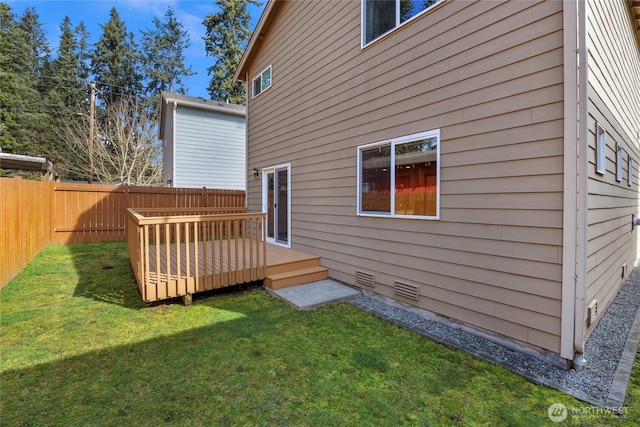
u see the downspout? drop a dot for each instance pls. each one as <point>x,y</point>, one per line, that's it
<point>583,101</point>
<point>173,144</point>
<point>246,140</point>
<point>570,178</point>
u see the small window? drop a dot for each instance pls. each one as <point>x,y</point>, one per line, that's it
<point>618,163</point>
<point>381,16</point>
<point>400,177</point>
<point>630,180</point>
<point>262,82</point>
<point>601,150</point>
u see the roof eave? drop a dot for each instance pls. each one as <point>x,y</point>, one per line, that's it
<point>256,37</point>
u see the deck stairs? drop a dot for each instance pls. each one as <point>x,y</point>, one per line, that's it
<point>296,269</point>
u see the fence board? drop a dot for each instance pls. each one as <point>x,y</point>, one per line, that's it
<point>97,213</point>
<point>25,223</point>
<point>34,214</point>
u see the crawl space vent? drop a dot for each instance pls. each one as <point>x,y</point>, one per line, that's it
<point>406,290</point>
<point>364,278</point>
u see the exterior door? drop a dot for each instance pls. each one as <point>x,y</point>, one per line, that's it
<point>277,203</point>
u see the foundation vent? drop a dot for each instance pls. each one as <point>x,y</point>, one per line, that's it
<point>592,312</point>
<point>365,279</point>
<point>625,270</point>
<point>406,290</point>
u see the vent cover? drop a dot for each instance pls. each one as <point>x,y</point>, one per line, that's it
<point>592,312</point>
<point>364,278</point>
<point>406,290</point>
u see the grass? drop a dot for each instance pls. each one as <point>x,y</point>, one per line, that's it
<point>80,348</point>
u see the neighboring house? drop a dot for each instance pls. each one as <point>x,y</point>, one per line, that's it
<point>204,142</point>
<point>477,159</point>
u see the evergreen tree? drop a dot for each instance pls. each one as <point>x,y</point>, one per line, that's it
<point>65,98</point>
<point>83,50</point>
<point>227,35</point>
<point>163,56</point>
<point>115,61</point>
<point>23,57</point>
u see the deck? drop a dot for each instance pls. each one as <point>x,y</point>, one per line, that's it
<point>179,255</point>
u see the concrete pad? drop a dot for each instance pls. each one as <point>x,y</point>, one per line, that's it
<point>315,294</point>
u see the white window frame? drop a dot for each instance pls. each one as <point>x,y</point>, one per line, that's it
<point>364,43</point>
<point>393,142</point>
<point>259,78</point>
<point>265,208</point>
<point>619,156</point>
<point>601,149</point>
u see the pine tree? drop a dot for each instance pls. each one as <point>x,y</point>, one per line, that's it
<point>163,55</point>
<point>115,61</point>
<point>65,99</point>
<point>23,57</point>
<point>83,50</point>
<point>227,35</point>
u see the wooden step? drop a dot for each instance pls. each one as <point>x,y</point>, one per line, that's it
<point>296,277</point>
<point>309,261</point>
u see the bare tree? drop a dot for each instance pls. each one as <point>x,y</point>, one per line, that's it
<point>124,148</point>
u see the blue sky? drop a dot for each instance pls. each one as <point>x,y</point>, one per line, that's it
<point>137,15</point>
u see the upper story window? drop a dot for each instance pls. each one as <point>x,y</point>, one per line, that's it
<point>381,16</point>
<point>400,177</point>
<point>262,82</point>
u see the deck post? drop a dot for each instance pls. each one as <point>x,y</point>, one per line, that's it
<point>187,299</point>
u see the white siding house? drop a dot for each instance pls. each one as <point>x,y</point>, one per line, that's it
<point>204,143</point>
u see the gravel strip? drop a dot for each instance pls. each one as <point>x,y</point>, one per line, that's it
<point>591,383</point>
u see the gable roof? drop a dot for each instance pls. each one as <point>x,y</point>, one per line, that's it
<point>167,98</point>
<point>266,18</point>
<point>201,103</point>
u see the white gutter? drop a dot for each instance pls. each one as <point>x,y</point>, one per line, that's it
<point>570,178</point>
<point>583,79</point>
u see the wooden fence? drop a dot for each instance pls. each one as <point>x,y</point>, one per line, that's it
<point>97,213</point>
<point>25,223</point>
<point>34,214</point>
<point>178,252</point>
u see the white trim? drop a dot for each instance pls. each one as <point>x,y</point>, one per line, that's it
<point>393,142</point>
<point>265,196</point>
<point>399,24</point>
<point>619,163</point>
<point>259,76</point>
<point>601,149</point>
<point>173,144</point>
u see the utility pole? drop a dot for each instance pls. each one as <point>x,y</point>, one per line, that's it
<point>92,112</point>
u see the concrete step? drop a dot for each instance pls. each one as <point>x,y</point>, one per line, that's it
<point>296,277</point>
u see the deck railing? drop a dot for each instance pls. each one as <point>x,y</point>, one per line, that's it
<point>178,252</point>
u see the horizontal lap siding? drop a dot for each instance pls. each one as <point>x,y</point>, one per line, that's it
<point>614,103</point>
<point>210,149</point>
<point>489,76</point>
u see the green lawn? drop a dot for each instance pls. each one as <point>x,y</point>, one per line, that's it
<point>80,348</point>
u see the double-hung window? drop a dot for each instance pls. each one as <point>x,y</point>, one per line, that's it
<point>400,177</point>
<point>262,82</point>
<point>381,16</point>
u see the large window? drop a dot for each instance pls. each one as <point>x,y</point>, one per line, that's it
<point>262,82</point>
<point>381,16</point>
<point>400,177</point>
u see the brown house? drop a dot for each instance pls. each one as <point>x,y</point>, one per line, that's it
<point>474,159</point>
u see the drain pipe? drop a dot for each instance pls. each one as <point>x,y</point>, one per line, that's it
<point>571,167</point>
<point>581,241</point>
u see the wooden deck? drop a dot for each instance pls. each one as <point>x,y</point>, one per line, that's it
<point>176,254</point>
